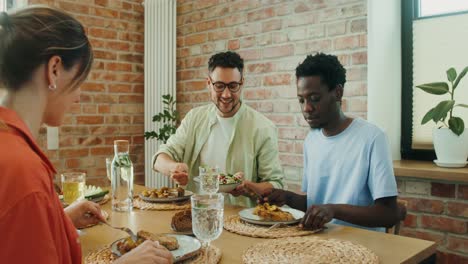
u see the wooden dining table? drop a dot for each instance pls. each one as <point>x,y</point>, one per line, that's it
<point>389,248</point>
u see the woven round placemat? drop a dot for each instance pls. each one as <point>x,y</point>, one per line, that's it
<point>142,205</point>
<point>308,250</point>
<point>105,256</point>
<point>234,224</point>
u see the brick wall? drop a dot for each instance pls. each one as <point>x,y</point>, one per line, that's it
<point>437,211</point>
<point>273,37</point>
<point>112,98</point>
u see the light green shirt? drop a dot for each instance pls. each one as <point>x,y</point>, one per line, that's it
<point>253,148</point>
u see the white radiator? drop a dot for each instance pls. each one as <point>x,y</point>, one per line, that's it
<point>160,74</point>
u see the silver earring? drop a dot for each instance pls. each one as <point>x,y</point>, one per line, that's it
<point>53,87</point>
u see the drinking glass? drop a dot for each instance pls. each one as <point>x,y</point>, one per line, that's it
<point>122,177</point>
<point>73,185</point>
<point>209,182</point>
<point>109,168</point>
<point>207,218</point>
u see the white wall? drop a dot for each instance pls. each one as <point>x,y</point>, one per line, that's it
<point>384,69</point>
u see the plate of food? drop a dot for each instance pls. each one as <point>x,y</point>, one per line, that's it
<point>266,214</point>
<point>182,222</point>
<point>227,182</point>
<point>182,247</point>
<point>165,195</point>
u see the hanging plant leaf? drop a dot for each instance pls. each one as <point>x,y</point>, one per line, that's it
<point>441,110</point>
<point>451,74</point>
<point>457,125</point>
<point>462,105</point>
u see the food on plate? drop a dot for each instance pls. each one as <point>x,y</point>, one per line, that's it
<point>164,192</point>
<point>272,213</point>
<point>229,178</point>
<point>182,221</point>
<point>167,241</point>
<point>128,244</point>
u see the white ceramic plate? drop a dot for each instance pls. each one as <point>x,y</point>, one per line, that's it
<point>223,188</point>
<point>248,216</point>
<point>188,247</point>
<point>450,164</point>
<point>167,200</point>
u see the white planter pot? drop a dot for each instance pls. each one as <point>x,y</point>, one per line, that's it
<point>451,150</point>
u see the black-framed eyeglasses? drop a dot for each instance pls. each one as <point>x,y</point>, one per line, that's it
<point>220,86</point>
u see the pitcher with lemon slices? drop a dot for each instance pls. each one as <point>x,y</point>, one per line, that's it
<point>122,177</point>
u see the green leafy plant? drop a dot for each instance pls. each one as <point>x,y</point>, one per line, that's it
<point>169,119</point>
<point>444,109</point>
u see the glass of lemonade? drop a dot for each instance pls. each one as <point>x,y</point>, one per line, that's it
<point>207,218</point>
<point>73,186</point>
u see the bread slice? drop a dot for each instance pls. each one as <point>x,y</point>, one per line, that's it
<point>182,221</point>
<point>167,241</point>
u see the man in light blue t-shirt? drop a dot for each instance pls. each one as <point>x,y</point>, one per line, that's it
<point>348,172</point>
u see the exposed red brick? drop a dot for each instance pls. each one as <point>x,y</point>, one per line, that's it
<point>457,209</point>
<point>459,244</point>
<point>425,205</point>
<point>73,153</point>
<point>277,79</point>
<point>251,54</point>
<point>260,67</point>
<point>291,160</point>
<point>102,33</point>
<point>74,7</point>
<point>271,25</point>
<point>444,224</point>
<point>282,120</point>
<point>410,220</point>
<point>261,14</point>
<point>102,151</point>
<point>90,120</point>
<point>195,86</point>
<point>195,39</point>
<point>233,44</point>
<point>450,258</point>
<point>423,234</point>
<point>443,190</point>
<point>462,192</point>
<point>281,51</point>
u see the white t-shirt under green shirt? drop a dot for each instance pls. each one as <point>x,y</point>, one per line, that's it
<point>214,152</point>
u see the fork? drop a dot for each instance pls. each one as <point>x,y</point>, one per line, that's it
<point>275,226</point>
<point>125,229</point>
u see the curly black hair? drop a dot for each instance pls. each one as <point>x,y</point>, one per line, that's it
<point>326,66</point>
<point>226,59</point>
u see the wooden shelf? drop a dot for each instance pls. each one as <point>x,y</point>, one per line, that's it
<point>428,170</point>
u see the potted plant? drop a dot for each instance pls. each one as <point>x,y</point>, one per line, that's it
<point>449,135</point>
<point>169,119</point>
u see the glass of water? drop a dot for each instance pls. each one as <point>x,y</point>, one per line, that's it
<point>207,218</point>
<point>209,182</point>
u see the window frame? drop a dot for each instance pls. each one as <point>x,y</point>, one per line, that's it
<point>410,13</point>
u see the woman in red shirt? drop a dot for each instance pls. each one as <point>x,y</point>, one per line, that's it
<point>44,58</point>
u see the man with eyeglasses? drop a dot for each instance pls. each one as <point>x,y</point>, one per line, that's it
<point>227,134</point>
